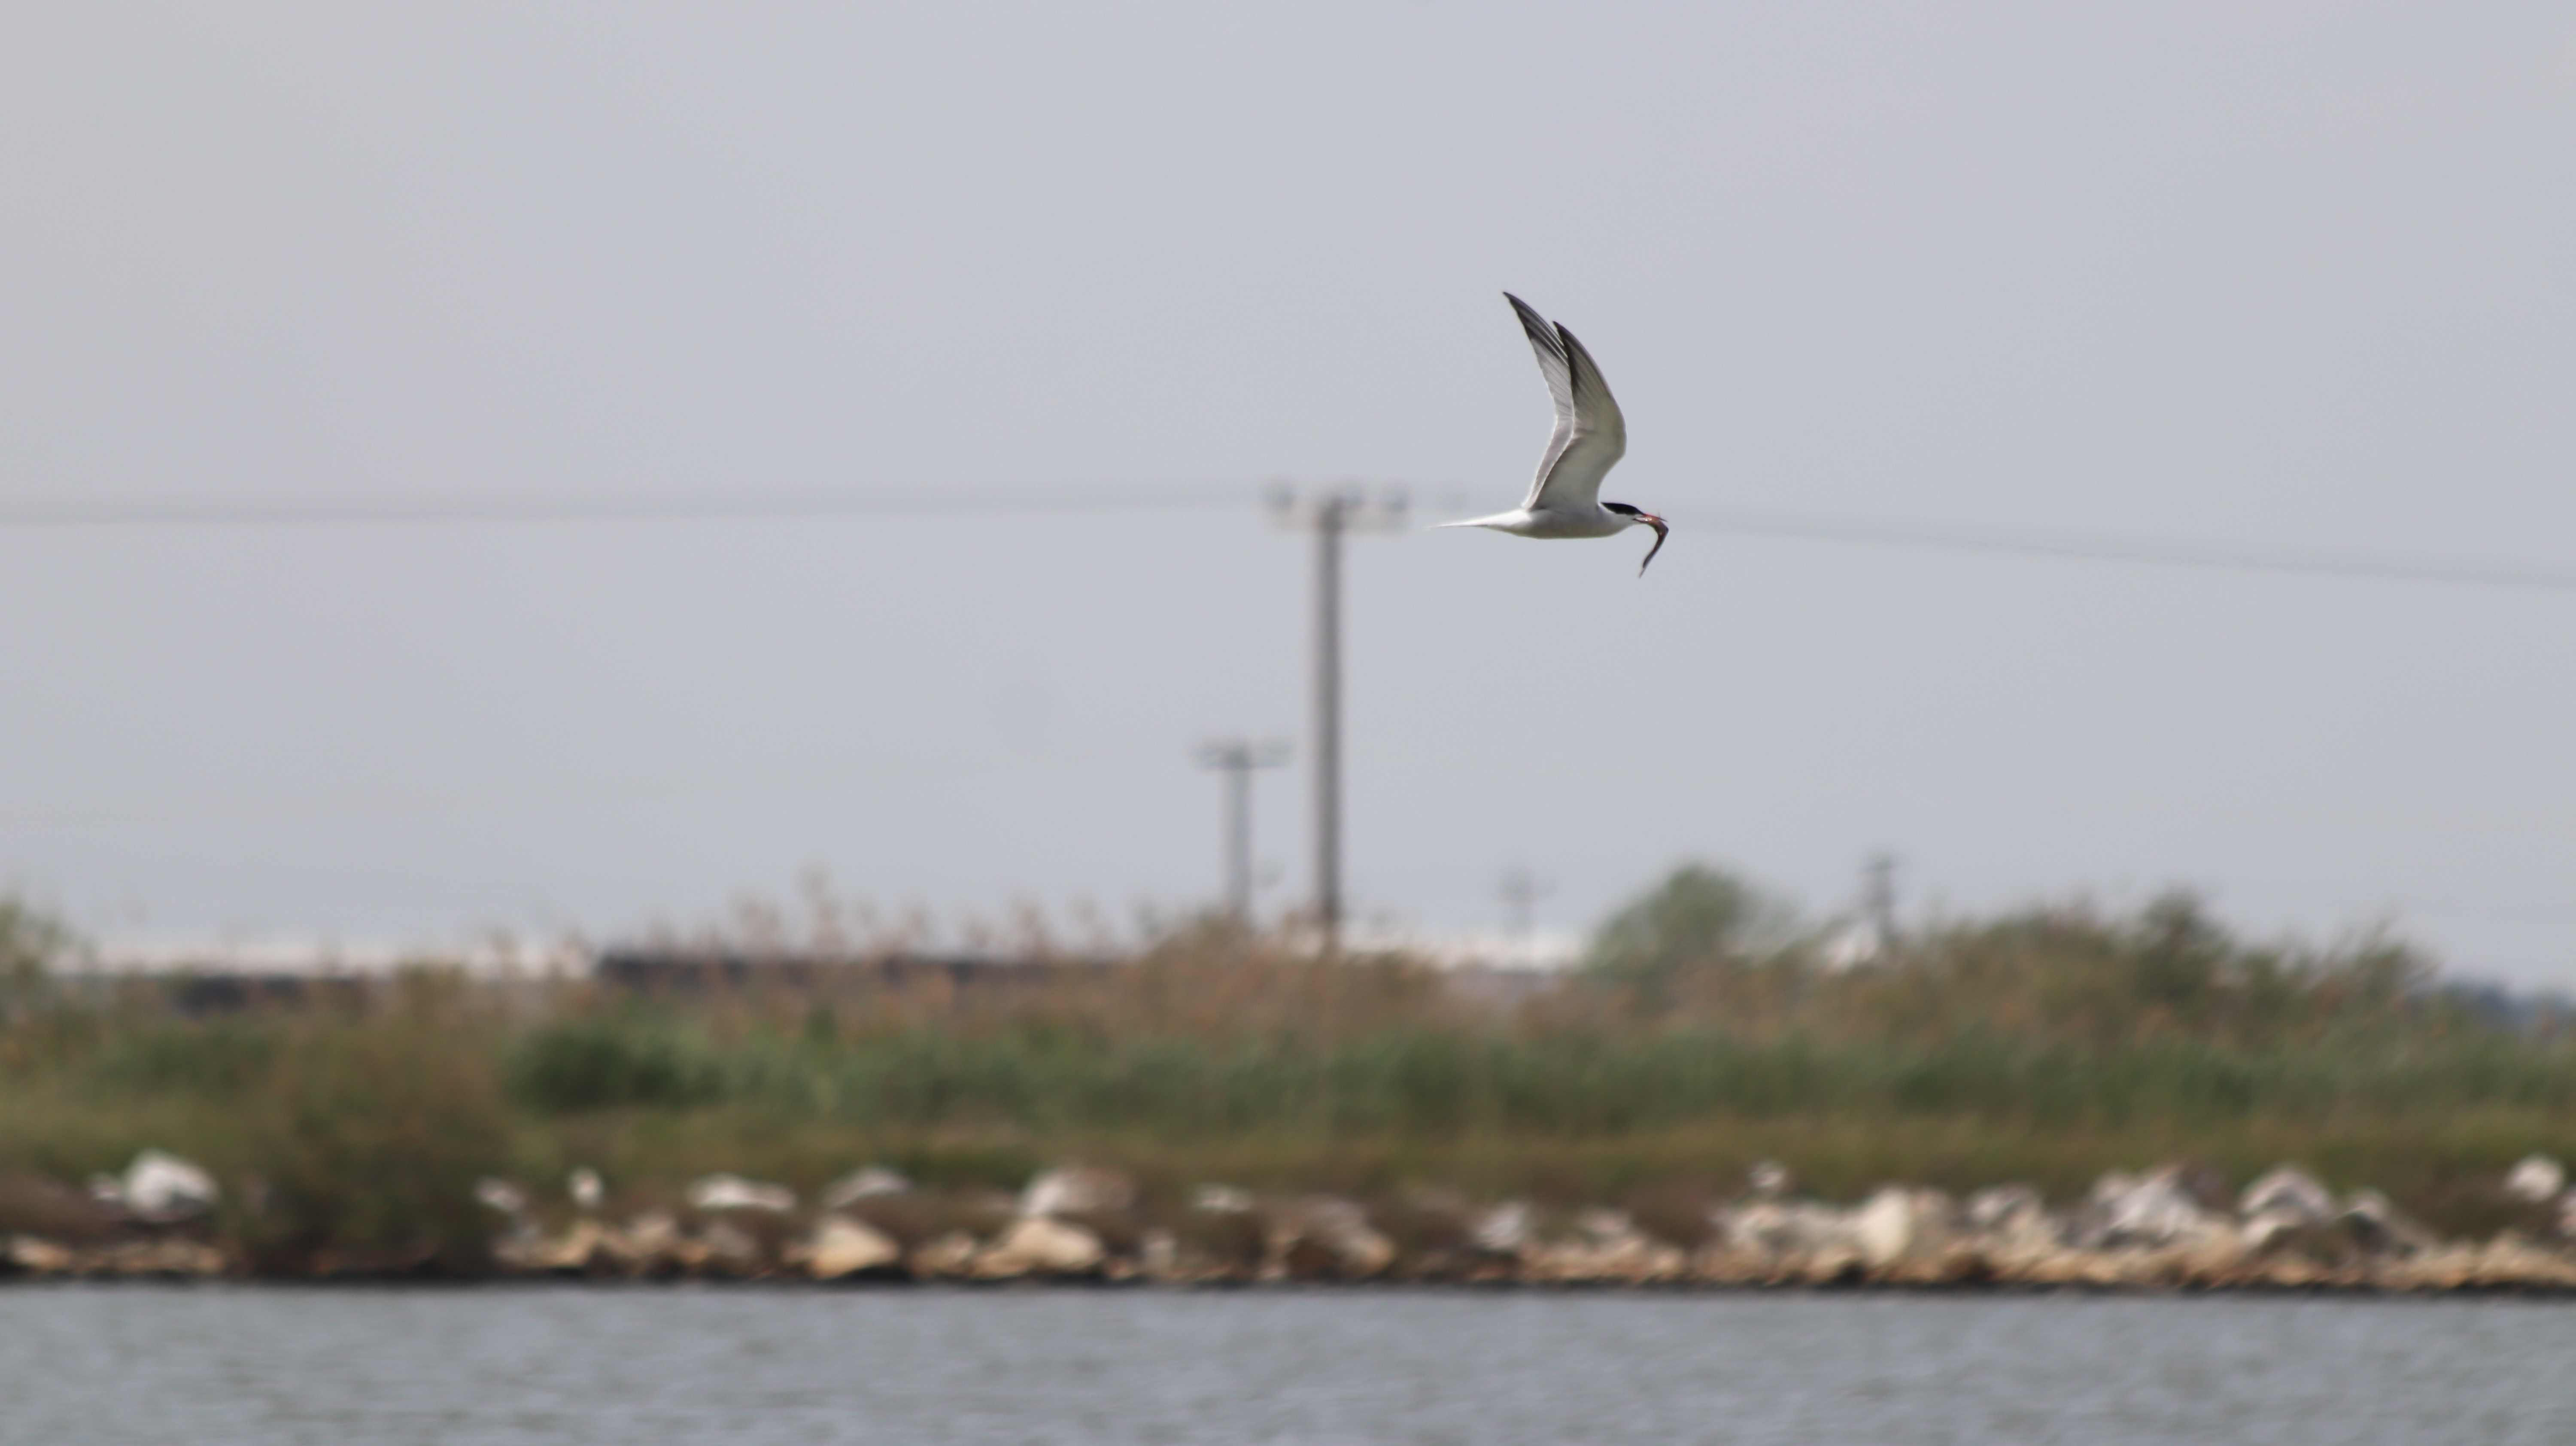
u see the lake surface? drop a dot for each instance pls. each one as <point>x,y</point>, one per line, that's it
<point>465,1366</point>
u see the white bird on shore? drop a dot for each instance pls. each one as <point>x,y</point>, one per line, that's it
<point>1590,437</point>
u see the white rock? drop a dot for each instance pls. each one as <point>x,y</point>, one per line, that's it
<point>1503,1230</point>
<point>1898,1222</point>
<point>575,1250</point>
<point>843,1246</point>
<point>37,1256</point>
<point>653,1233</point>
<point>1768,1177</point>
<point>1603,1223</point>
<point>1222,1200</point>
<point>494,1193</point>
<point>865,1184</point>
<point>1037,1245</point>
<point>728,1243</point>
<point>2290,1193</point>
<point>2013,1222</point>
<point>1339,1227</point>
<point>1611,1249</point>
<point>733,1192</point>
<point>161,1187</point>
<point>2153,1211</point>
<point>2265,1228</point>
<point>2536,1178</point>
<point>952,1254</point>
<point>2003,1209</point>
<point>1785,1227</point>
<point>2382,1227</point>
<point>1078,1190</point>
<point>586,1189</point>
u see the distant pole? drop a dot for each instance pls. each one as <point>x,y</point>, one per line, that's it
<point>1327,724</point>
<point>1236,758</point>
<point>1878,900</point>
<point>1520,900</point>
<point>1329,514</point>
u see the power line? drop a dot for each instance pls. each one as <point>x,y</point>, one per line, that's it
<point>2161,551</point>
<point>400,510</point>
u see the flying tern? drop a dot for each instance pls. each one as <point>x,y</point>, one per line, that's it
<point>1565,499</point>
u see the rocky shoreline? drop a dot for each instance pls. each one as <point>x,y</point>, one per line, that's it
<point>2170,1229</point>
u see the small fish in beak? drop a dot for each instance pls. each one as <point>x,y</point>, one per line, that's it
<point>1661,532</point>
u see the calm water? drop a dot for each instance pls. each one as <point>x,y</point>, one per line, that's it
<point>103,1364</point>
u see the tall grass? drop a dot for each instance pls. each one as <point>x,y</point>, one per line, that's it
<point>2047,1046</point>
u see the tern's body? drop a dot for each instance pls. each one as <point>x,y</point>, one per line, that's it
<point>1593,521</point>
<point>1590,437</point>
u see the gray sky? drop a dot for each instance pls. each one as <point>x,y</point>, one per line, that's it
<point>2281,274</point>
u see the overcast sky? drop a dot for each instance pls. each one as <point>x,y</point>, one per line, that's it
<point>2282,275</point>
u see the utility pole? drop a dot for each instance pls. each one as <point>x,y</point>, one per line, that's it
<point>1329,513</point>
<point>1520,901</point>
<point>1236,758</point>
<point>1878,900</point>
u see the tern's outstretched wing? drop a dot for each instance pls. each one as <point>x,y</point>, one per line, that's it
<point>1590,434</point>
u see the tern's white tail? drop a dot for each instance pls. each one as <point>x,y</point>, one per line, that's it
<point>1500,521</point>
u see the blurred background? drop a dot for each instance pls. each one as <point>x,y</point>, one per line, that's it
<point>556,469</point>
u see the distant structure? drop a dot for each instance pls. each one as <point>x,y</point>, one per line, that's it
<point>232,976</point>
<point>684,973</point>
<point>1521,891</point>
